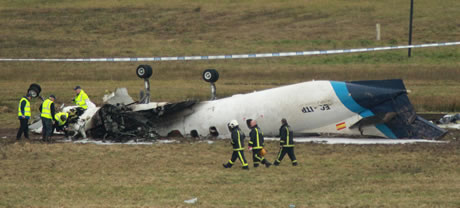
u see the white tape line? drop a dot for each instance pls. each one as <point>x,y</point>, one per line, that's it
<point>235,56</point>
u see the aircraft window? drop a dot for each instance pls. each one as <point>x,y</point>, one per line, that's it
<point>213,131</point>
<point>194,133</point>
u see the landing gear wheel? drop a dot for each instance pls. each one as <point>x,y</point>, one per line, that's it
<point>34,90</point>
<point>210,75</point>
<point>144,71</point>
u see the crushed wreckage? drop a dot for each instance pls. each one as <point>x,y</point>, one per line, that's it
<point>372,108</point>
<point>124,120</point>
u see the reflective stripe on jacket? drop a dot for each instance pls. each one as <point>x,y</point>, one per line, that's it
<point>286,136</point>
<point>257,138</point>
<point>237,139</point>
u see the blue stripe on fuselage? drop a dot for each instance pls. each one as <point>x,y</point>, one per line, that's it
<point>342,93</point>
<point>341,90</point>
<point>385,130</point>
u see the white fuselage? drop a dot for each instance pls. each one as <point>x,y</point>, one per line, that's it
<point>309,107</point>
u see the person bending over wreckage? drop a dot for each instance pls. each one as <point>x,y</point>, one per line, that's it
<point>238,145</point>
<point>62,122</point>
<point>69,123</point>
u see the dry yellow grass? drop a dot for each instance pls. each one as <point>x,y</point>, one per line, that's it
<point>71,175</point>
<point>173,28</point>
<point>164,175</point>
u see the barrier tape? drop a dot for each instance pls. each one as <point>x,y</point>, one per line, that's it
<point>236,56</point>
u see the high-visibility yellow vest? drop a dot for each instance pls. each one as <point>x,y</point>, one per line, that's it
<point>288,138</point>
<point>80,99</point>
<point>46,109</point>
<point>26,108</point>
<point>57,117</point>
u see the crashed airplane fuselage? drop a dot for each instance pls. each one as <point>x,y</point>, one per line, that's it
<point>373,108</point>
<point>364,108</point>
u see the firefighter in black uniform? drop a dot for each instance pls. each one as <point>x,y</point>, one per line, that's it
<point>286,143</point>
<point>238,145</point>
<point>256,144</point>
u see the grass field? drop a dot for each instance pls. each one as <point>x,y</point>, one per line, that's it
<point>70,175</point>
<point>45,28</point>
<point>164,175</point>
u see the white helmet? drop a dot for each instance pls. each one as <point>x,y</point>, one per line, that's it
<point>233,124</point>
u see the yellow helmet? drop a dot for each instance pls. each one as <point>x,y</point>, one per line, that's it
<point>262,152</point>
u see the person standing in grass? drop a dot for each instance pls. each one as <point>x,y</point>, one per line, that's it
<point>24,115</point>
<point>238,145</point>
<point>47,115</point>
<point>256,144</point>
<point>286,143</point>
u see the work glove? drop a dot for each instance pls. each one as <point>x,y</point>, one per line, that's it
<point>250,148</point>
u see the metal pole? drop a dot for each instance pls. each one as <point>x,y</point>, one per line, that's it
<point>213,91</point>
<point>410,26</point>
<point>377,27</point>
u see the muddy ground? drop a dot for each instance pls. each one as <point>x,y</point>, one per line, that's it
<point>9,135</point>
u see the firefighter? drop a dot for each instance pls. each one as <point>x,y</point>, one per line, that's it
<point>81,99</point>
<point>24,115</point>
<point>238,145</point>
<point>256,144</point>
<point>286,143</point>
<point>61,123</point>
<point>47,115</point>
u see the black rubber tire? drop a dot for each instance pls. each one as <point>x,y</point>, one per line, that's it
<point>144,71</point>
<point>34,90</point>
<point>210,75</point>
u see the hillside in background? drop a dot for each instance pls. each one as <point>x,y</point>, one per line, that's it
<point>79,29</point>
<point>36,174</point>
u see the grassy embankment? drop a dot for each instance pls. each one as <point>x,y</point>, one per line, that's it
<point>172,28</point>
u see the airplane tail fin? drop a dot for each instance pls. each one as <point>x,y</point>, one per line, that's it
<point>384,103</point>
<point>406,123</point>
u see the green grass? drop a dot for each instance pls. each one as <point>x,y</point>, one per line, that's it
<point>72,175</point>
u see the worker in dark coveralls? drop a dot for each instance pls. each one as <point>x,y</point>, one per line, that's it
<point>286,143</point>
<point>47,110</point>
<point>256,144</point>
<point>238,145</point>
<point>24,115</point>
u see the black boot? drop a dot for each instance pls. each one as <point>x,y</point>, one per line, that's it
<point>267,164</point>
<point>228,165</point>
<point>245,167</point>
<point>276,163</point>
<point>256,165</point>
<point>294,164</point>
